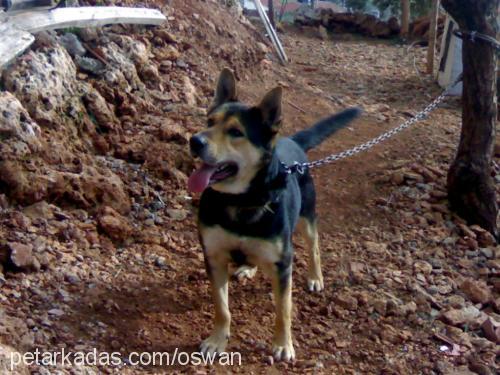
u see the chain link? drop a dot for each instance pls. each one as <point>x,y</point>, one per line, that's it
<point>301,167</point>
<point>473,36</point>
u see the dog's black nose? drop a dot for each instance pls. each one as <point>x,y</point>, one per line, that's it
<point>197,143</point>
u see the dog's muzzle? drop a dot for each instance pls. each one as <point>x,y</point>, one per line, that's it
<point>197,144</point>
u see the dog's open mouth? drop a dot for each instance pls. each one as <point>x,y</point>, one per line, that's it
<point>208,174</point>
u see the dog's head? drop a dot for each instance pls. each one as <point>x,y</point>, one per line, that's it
<point>238,140</point>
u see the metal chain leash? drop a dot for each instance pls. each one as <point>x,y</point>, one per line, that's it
<point>301,167</point>
<point>474,36</point>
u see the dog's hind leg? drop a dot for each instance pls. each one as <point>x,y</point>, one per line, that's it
<point>219,277</point>
<point>309,232</point>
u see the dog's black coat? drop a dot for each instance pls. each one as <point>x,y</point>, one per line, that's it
<point>275,200</point>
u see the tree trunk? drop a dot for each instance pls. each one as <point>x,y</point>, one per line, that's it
<point>405,17</point>
<point>471,190</point>
<point>270,7</point>
<point>431,51</point>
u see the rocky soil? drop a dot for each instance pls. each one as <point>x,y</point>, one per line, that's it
<point>98,241</point>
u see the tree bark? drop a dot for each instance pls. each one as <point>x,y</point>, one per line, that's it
<point>270,8</point>
<point>405,17</point>
<point>471,189</point>
<point>431,51</point>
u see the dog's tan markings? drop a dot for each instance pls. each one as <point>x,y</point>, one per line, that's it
<point>282,341</point>
<point>309,232</point>
<point>217,341</point>
<point>218,244</point>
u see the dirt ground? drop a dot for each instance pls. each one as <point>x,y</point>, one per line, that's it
<point>409,287</point>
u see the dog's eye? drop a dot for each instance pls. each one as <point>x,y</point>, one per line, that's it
<point>235,132</point>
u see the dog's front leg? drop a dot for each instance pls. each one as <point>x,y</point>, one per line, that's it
<point>218,274</point>
<point>282,289</point>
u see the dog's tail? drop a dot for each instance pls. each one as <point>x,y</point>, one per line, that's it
<point>312,137</point>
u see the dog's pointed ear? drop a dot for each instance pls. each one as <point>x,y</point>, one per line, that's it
<point>270,108</point>
<point>225,90</point>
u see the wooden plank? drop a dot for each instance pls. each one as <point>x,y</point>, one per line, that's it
<point>431,51</point>
<point>84,17</point>
<point>13,43</point>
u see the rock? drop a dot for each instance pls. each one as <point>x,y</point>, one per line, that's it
<point>476,290</point>
<point>456,301</point>
<point>466,315</point>
<point>486,239</point>
<point>56,312</point>
<point>149,73</point>
<point>113,224</point>
<point>172,132</point>
<point>18,132</point>
<point>166,36</point>
<point>177,214</point>
<point>170,53</point>
<point>21,255</point>
<point>398,178</point>
<point>322,32</point>
<point>7,365</point>
<point>160,262</point>
<point>90,65</point>
<point>380,306</point>
<point>102,111</point>
<point>491,330</point>
<point>72,44</point>
<point>189,92</point>
<point>89,34</point>
<point>392,335</point>
<point>423,267</point>
<point>346,301</point>
<point>262,47</point>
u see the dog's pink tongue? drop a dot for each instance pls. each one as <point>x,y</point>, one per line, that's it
<point>200,178</point>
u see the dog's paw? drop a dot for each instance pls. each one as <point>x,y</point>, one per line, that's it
<point>284,353</point>
<point>315,284</point>
<point>216,343</point>
<point>245,272</point>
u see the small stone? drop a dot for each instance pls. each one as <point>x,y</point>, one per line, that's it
<point>21,255</point>
<point>161,261</point>
<point>113,224</point>
<point>72,278</point>
<point>346,301</point>
<point>466,315</point>
<point>269,360</point>
<point>322,32</point>
<point>456,301</point>
<point>476,290</point>
<point>423,267</point>
<point>55,312</point>
<point>486,252</point>
<point>177,214</point>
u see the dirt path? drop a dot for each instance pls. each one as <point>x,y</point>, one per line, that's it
<point>394,257</point>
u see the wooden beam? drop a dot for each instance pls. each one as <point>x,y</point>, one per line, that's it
<point>58,18</point>
<point>431,50</point>
<point>13,43</point>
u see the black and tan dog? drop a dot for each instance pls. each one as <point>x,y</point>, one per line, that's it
<point>250,205</point>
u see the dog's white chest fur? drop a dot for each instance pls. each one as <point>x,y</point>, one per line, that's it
<point>218,242</point>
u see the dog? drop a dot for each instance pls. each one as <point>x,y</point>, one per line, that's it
<point>250,205</point>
